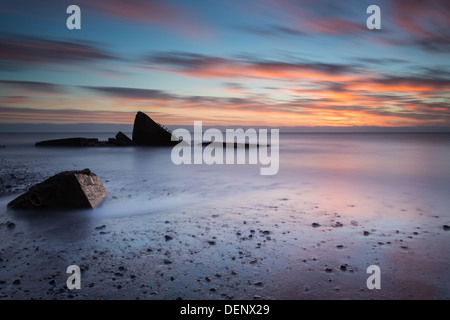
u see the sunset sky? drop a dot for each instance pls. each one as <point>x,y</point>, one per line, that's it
<point>277,63</point>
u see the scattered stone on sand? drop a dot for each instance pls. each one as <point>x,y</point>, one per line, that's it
<point>65,190</point>
<point>315,225</point>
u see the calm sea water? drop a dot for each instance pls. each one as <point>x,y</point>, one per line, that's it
<point>413,168</point>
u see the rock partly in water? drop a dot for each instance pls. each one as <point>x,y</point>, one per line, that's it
<point>147,132</point>
<point>69,142</point>
<point>122,140</point>
<point>65,190</point>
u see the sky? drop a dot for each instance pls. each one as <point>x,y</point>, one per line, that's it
<point>253,63</point>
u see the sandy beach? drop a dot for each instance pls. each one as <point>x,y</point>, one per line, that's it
<point>255,246</point>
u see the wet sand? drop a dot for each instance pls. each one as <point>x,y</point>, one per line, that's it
<point>275,245</point>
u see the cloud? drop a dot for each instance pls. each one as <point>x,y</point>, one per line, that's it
<point>204,66</point>
<point>19,49</point>
<point>426,22</point>
<point>33,86</point>
<point>38,115</point>
<point>133,93</point>
<point>175,17</point>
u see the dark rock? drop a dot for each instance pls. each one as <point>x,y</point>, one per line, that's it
<point>69,142</point>
<point>315,225</point>
<point>167,237</point>
<point>122,140</point>
<point>366,233</point>
<point>147,132</point>
<point>65,190</point>
<point>446,227</point>
<point>16,282</point>
<point>10,225</point>
<point>211,242</point>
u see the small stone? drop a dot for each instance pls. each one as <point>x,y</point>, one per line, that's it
<point>166,261</point>
<point>343,267</point>
<point>446,227</point>
<point>328,269</point>
<point>212,242</point>
<point>10,225</point>
<point>315,225</point>
<point>167,237</point>
<point>339,246</point>
<point>259,283</point>
<point>366,233</point>
<point>16,282</point>
<point>100,228</point>
<point>207,279</point>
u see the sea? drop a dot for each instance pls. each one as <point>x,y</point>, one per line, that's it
<point>411,167</point>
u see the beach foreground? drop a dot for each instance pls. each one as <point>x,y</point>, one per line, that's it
<point>230,249</point>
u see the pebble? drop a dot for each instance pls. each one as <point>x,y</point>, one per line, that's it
<point>366,233</point>
<point>10,225</point>
<point>446,227</point>
<point>167,237</point>
<point>315,225</point>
